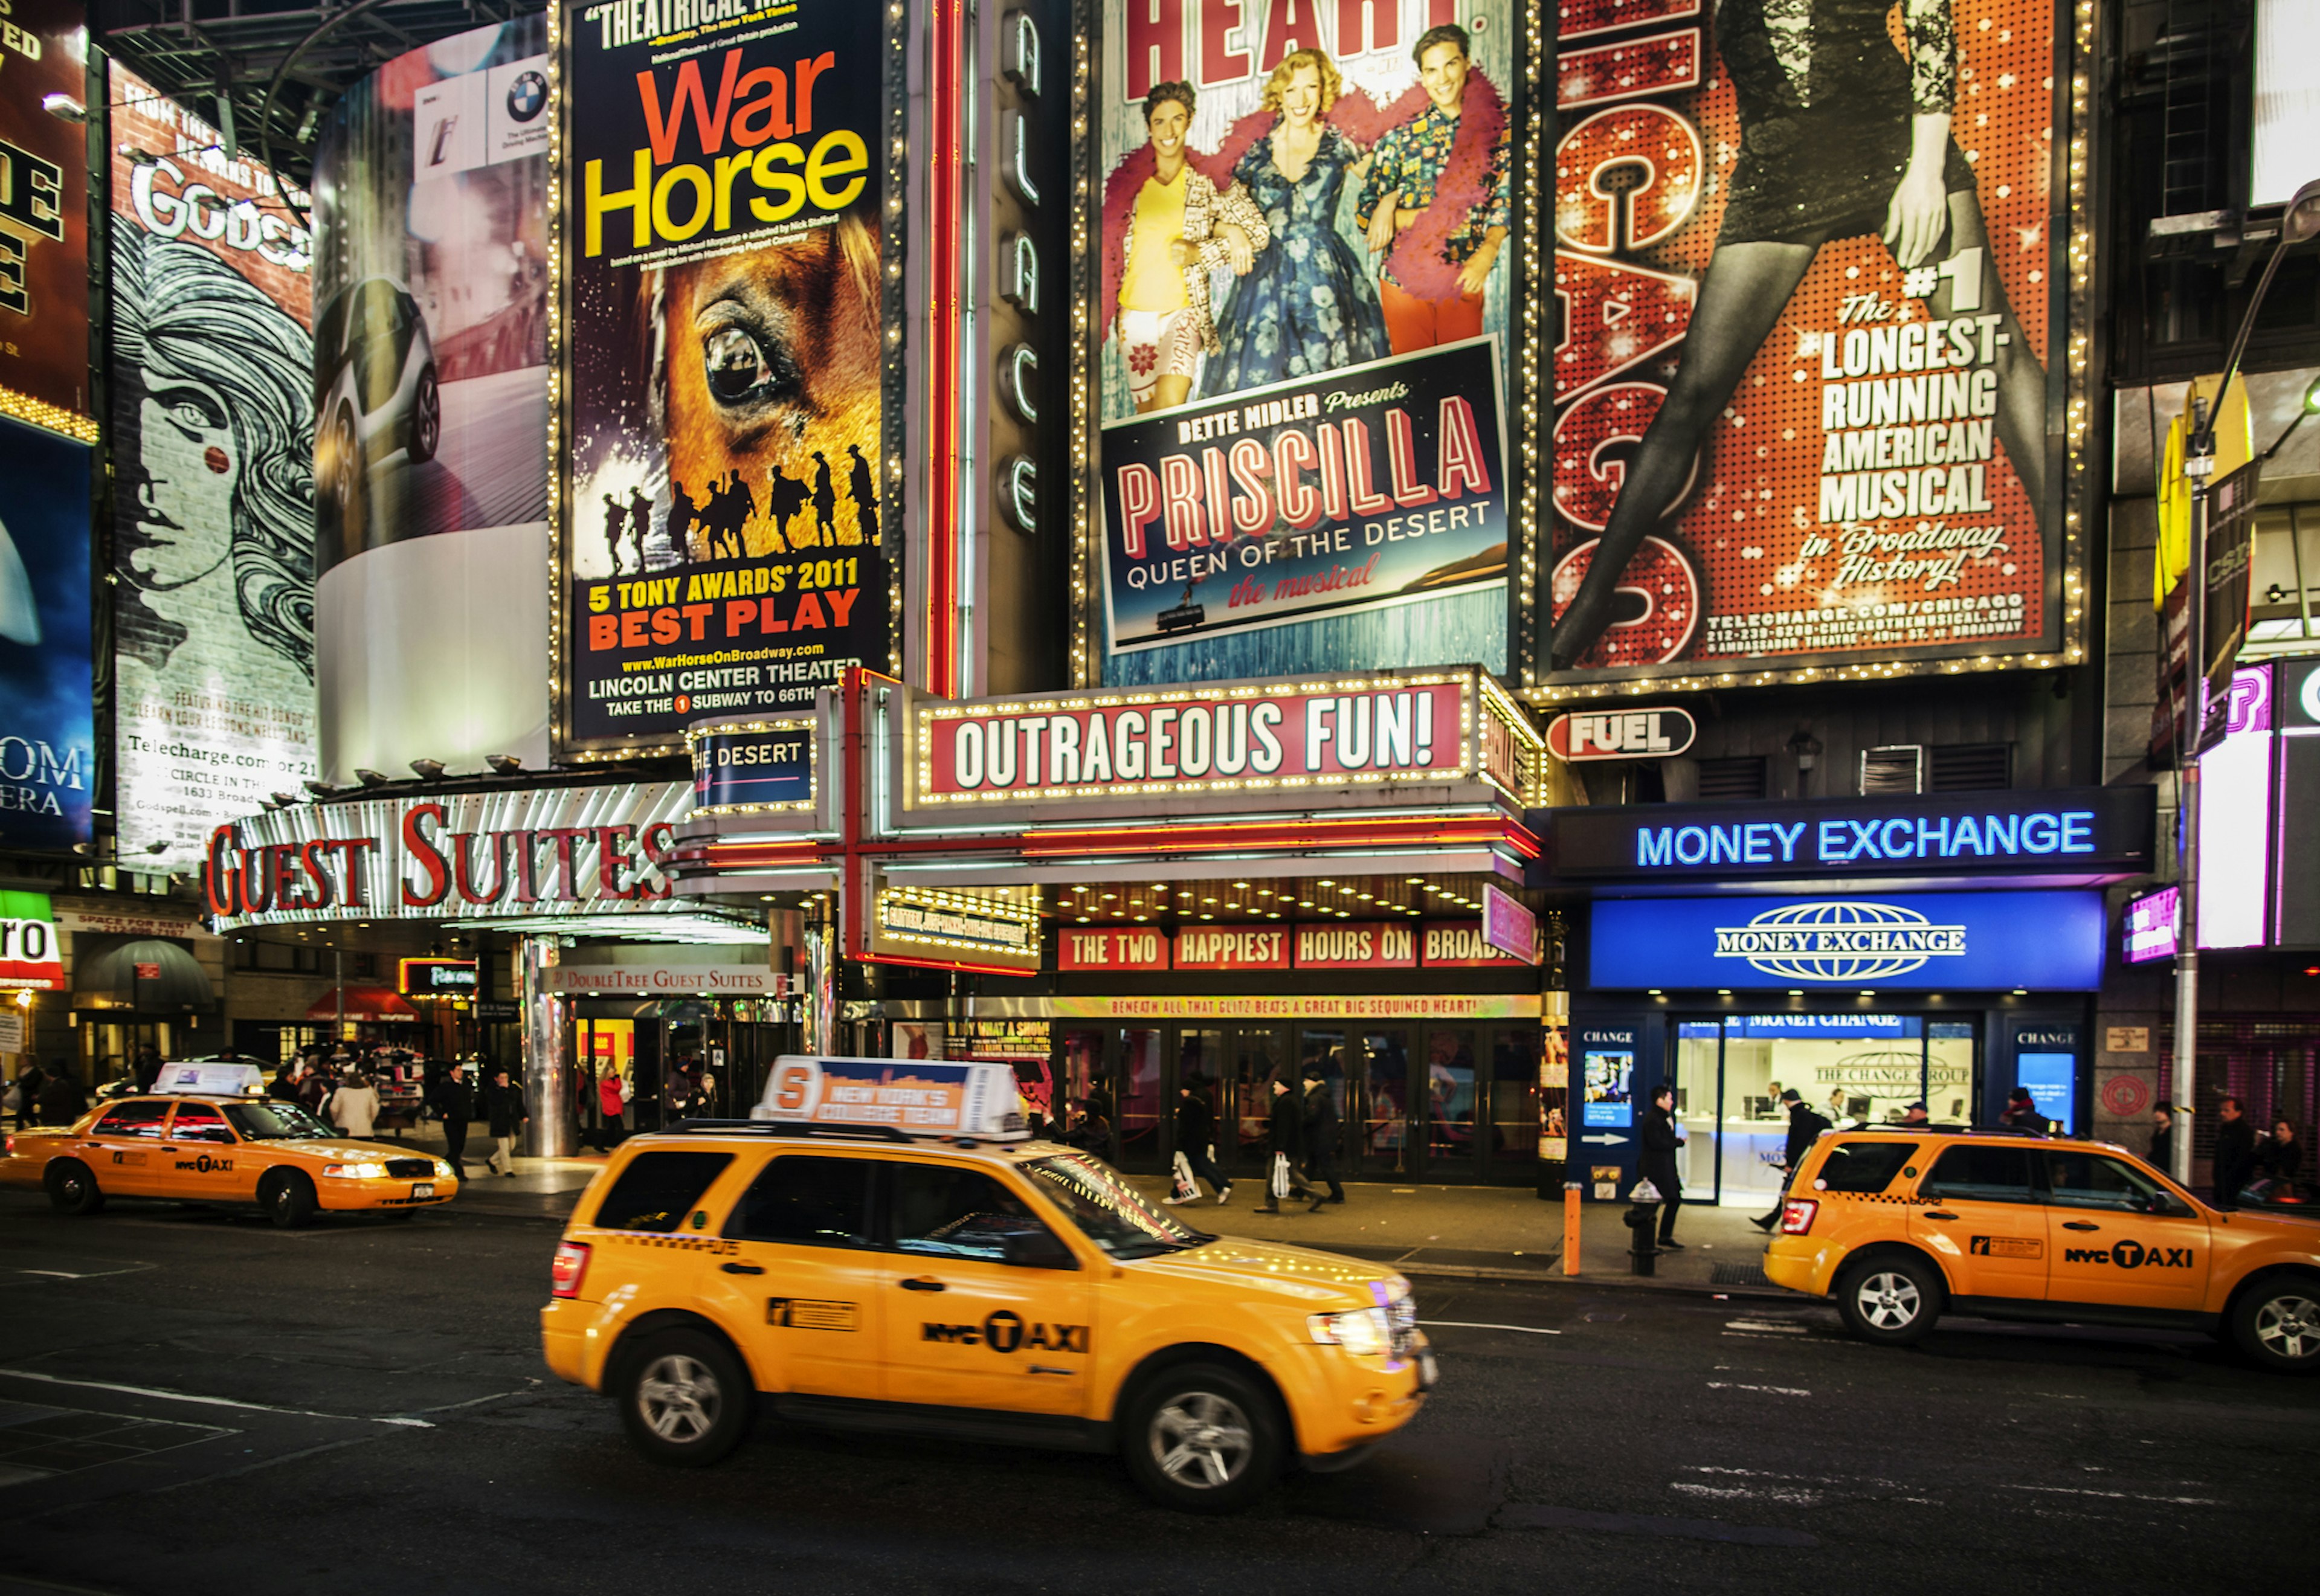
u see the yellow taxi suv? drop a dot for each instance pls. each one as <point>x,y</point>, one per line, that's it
<point>204,1135</point>
<point>880,1248</point>
<point>1899,1227</point>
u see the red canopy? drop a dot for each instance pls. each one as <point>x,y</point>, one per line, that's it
<point>365,1005</point>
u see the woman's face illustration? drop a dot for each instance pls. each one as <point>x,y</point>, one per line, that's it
<point>191,467</point>
<point>1300,96</point>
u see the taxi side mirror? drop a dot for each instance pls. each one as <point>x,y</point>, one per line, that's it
<point>1039,1250</point>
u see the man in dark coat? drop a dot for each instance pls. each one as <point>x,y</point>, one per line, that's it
<point>455,1105</point>
<point>1804,1127</point>
<point>2021,1112</point>
<point>62,1101</point>
<point>1661,1140</point>
<point>2234,1149</point>
<point>29,1082</point>
<point>148,1068</point>
<point>1196,1128</point>
<point>1321,1136</point>
<point>503,1106</point>
<point>1283,1133</point>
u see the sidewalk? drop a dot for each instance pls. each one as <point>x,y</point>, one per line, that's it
<point>1455,1232</point>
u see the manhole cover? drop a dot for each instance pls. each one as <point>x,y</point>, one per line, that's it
<point>1740,1274</point>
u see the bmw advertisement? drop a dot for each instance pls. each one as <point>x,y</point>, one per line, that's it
<point>2050,941</point>
<point>431,407</point>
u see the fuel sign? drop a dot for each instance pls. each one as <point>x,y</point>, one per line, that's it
<point>1621,734</point>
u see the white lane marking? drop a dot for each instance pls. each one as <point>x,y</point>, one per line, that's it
<point>497,1396</point>
<point>1843,1483</point>
<point>1780,1493</point>
<point>86,1273</point>
<point>2184,1502</point>
<point>1777,1327</point>
<point>1458,1324</point>
<point>207,1401</point>
<point>1767,1390</point>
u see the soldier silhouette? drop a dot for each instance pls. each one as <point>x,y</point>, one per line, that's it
<point>614,515</point>
<point>784,498</point>
<point>825,501</point>
<point>639,521</point>
<point>681,514</point>
<point>863,489</point>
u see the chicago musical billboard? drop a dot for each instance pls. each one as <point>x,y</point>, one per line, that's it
<point>1806,282</point>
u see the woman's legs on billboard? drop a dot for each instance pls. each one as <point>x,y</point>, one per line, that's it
<point>2021,379</point>
<point>1741,297</point>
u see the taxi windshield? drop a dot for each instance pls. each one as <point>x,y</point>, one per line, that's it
<point>276,1120</point>
<point>1110,1212</point>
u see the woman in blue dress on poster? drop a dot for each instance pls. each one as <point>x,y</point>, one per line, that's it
<point>1307,306</point>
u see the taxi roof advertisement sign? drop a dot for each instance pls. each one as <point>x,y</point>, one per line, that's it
<point>918,1096</point>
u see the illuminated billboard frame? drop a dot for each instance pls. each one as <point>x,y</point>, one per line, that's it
<point>2070,344</point>
<point>895,500</point>
<point>1526,368</point>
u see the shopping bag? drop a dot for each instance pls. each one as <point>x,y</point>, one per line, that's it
<point>1187,1188</point>
<point>1280,1184</point>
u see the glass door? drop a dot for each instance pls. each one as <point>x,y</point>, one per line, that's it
<point>1751,1127</point>
<point>1383,1114</point>
<point>1511,1155</point>
<point>1260,1056</point>
<point>1451,1100</point>
<point>1698,1071</point>
<point>1136,1122</point>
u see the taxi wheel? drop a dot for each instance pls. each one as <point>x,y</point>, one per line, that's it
<point>72,1187</point>
<point>2277,1326</point>
<point>1893,1301</point>
<point>1202,1438</point>
<point>685,1398</point>
<point>289,1199</point>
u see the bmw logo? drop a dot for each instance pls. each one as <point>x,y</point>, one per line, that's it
<point>526,95</point>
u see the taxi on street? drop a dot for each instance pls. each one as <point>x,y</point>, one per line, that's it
<point>1899,1227</point>
<point>204,1134</point>
<point>882,1247</point>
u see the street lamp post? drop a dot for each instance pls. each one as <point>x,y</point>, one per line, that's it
<point>2299,221</point>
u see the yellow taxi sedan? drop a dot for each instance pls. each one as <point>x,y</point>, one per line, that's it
<point>884,1249</point>
<point>227,1148</point>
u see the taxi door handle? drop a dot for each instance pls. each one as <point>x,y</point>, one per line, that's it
<point>744,1268</point>
<point>924,1284</point>
<point>1941,1214</point>
<point>2079,1225</point>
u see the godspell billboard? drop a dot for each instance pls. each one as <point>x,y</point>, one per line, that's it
<point>213,504</point>
<point>1805,271</point>
<point>726,537</point>
<point>1303,320</point>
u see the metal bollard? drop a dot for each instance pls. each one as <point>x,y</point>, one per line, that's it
<point>1570,1191</point>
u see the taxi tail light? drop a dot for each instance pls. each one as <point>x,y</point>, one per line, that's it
<point>570,1267</point>
<point>1797,1215</point>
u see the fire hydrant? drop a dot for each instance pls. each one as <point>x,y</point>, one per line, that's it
<point>1642,1220</point>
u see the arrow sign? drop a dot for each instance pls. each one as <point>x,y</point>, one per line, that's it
<point>1608,1141</point>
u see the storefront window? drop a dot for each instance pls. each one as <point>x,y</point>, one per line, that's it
<point>1081,1067</point>
<point>1699,1056</point>
<point>1514,1101</point>
<point>1139,1106</point>
<point>1382,1097</point>
<point>1949,1071</point>
<point>1259,1056</point>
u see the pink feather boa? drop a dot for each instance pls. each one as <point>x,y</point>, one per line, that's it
<point>1417,258</point>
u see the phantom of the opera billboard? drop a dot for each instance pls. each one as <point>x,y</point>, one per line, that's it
<point>1806,277</point>
<point>1305,296</point>
<point>725,534</point>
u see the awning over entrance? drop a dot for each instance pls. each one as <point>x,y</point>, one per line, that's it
<point>147,976</point>
<point>365,1005</point>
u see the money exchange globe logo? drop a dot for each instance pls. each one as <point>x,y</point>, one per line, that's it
<point>1840,940</point>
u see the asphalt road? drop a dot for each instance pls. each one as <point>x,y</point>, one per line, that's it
<point>193,1403</point>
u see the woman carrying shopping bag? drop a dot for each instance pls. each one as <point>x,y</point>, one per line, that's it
<point>1284,1135</point>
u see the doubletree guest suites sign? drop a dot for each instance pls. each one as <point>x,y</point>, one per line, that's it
<point>517,854</point>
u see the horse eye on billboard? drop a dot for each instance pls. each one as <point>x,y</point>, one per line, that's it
<point>723,261</point>
<point>1303,322</point>
<point>1801,414</point>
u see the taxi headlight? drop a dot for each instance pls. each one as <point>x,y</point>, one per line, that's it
<point>1362,1332</point>
<point>355,1172</point>
<point>442,1170</point>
